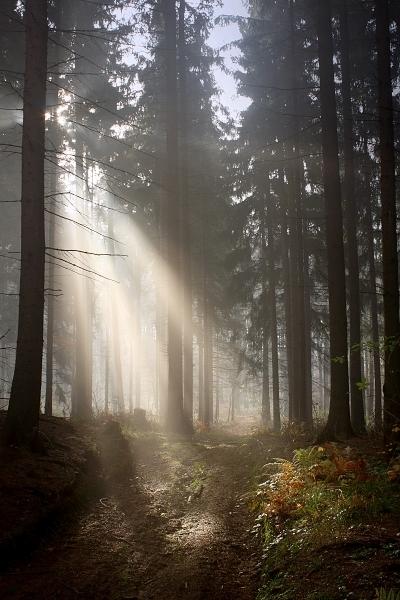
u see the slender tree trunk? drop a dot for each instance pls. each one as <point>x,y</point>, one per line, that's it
<point>186,225</point>
<point>48,406</point>
<point>217,381</point>
<point>308,340</point>
<point>24,406</point>
<point>107,372</point>
<point>373,296</point>
<point>276,416</point>
<point>82,384</point>
<point>137,333</point>
<point>201,374</point>
<point>301,414</point>
<point>175,418</point>
<point>116,374</point>
<point>287,296</point>
<point>266,405</point>
<point>208,366</point>
<point>356,395</point>
<point>338,425</point>
<point>389,220</point>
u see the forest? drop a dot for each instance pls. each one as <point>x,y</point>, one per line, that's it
<point>199,299</point>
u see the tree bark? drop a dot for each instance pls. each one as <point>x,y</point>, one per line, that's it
<point>356,394</point>
<point>338,425</point>
<point>374,311</point>
<point>300,413</point>
<point>186,226</point>
<point>276,415</point>
<point>391,386</point>
<point>175,415</point>
<point>24,406</point>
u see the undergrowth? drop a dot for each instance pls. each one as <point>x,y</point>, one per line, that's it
<point>322,497</point>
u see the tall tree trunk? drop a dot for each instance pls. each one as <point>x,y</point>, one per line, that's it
<point>48,406</point>
<point>200,342</point>
<point>217,380</point>
<point>137,333</point>
<point>301,413</point>
<point>175,416</point>
<point>287,296</point>
<point>373,295</point>
<point>389,220</point>
<point>107,372</point>
<point>186,226</point>
<point>24,406</point>
<point>82,385</point>
<point>276,415</point>
<point>265,403</point>
<point>338,425</point>
<point>356,395</point>
<point>208,365</point>
<point>308,347</point>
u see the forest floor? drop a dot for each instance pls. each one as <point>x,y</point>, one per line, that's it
<point>173,523</point>
<point>170,518</point>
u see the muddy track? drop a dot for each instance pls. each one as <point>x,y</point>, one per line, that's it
<point>176,526</point>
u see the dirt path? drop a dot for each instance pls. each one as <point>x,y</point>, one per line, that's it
<point>176,528</point>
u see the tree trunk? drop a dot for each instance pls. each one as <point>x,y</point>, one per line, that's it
<point>200,342</point>
<point>175,415</point>
<point>300,413</point>
<point>288,296</point>
<point>373,296</point>
<point>276,416</point>
<point>24,406</point>
<point>48,405</point>
<point>389,218</point>
<point>338,425</point>
<point>186,226</point>
<point>82,385</point>
<point>208,366</point>
<point>356,395</point>
<point>265,404</point>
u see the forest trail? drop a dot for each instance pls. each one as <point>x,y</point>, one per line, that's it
<point>176,527</point>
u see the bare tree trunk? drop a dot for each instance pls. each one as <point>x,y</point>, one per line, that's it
<point>389,218</point>
<point>373,296</point>
<point>208,365</point>
<point>48,406</point>
<point>288,297</point>
<point>107,372</point>
<point>356,395</point>
<point>186,225</point>
<point>201,373</point>
<point>137,333</point>
<point>174,416</point>
<point>276,415</point>
<point>338,425</point>
<point>82,385</point>
<point>24,406</point>
<point>301,414</point>
<point>266,404</point>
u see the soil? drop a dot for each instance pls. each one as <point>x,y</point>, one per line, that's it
<point>172,522</point>
<point>101,514</point>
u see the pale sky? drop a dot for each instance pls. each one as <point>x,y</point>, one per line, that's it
<point>223,35</point>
